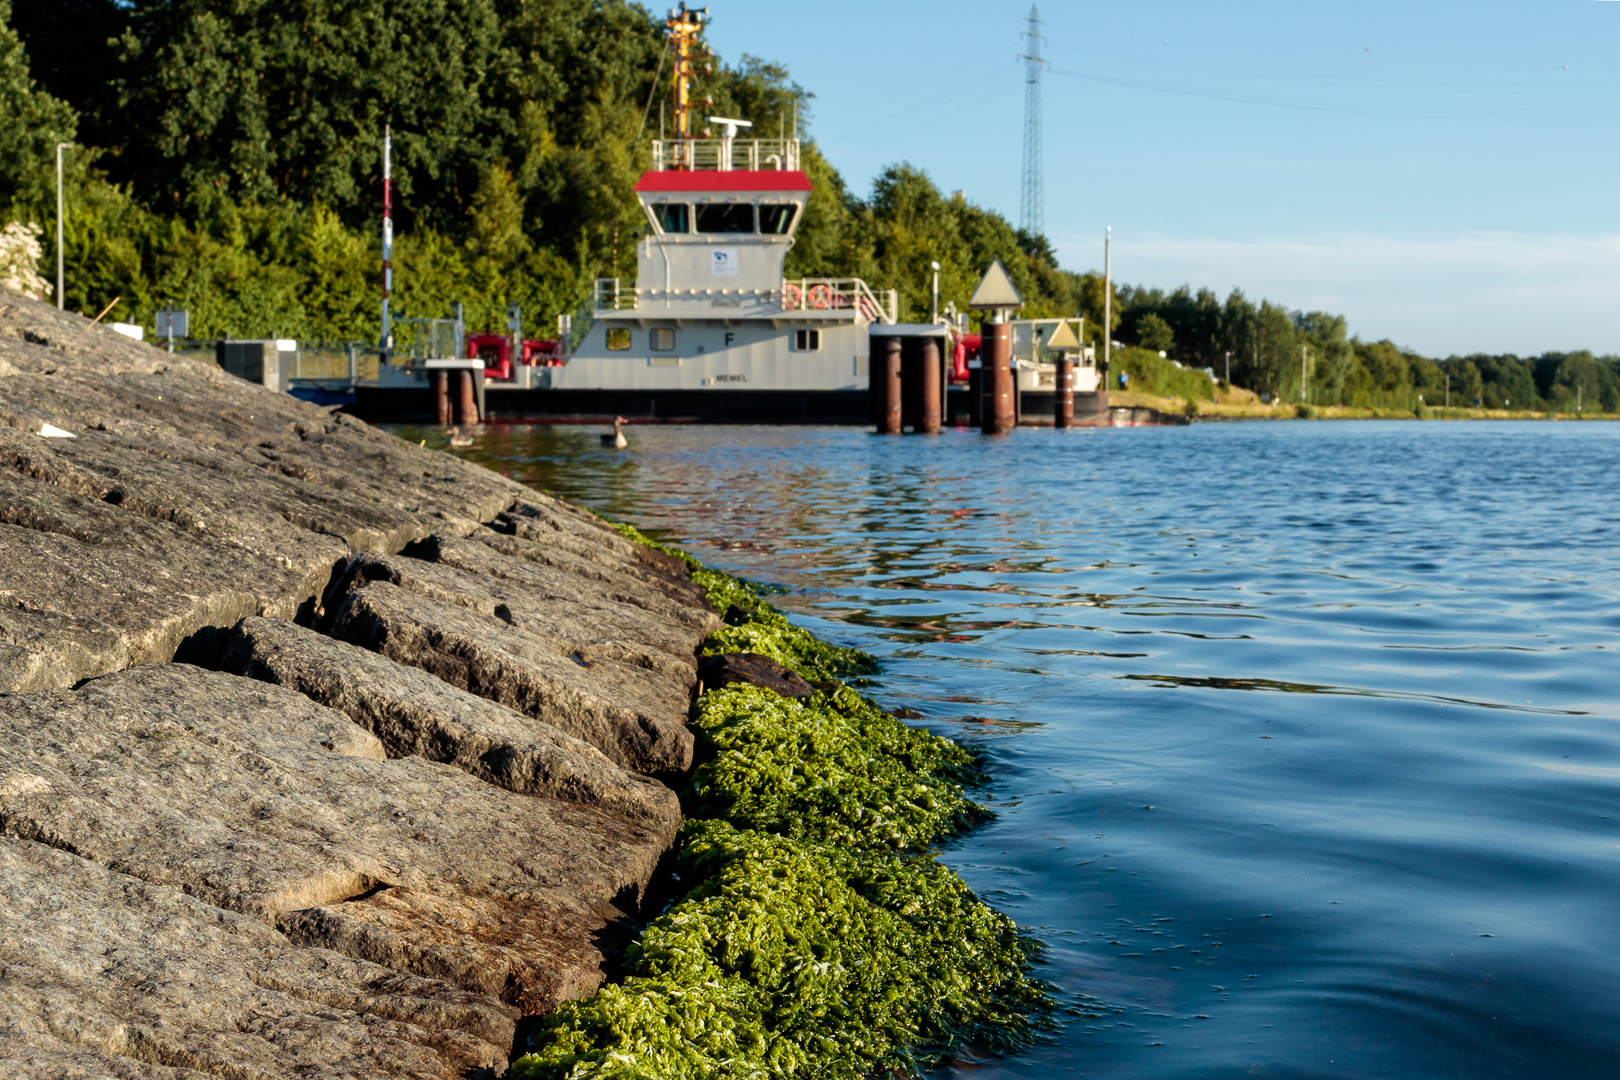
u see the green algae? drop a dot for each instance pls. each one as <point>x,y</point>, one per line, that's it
<point>813,940</point>
<point>833,768</point>
<point>793,959</point>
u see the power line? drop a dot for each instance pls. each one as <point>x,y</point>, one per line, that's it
<point>1033,202</point>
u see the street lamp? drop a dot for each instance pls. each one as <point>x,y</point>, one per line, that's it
<point>59,148</point>
<point>934,311</point>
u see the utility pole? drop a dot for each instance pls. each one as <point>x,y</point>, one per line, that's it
<point>1228,367</point>
<point>1304,352</point>
<point>1108,300</point>
<point>387,343</point>
<point>1034,187</point>
<point>59,298</point>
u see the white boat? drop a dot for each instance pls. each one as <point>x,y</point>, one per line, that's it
<point>710,329</point>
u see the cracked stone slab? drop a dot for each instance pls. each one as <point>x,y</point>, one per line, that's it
<point>687,621</point>
<point>635,715</point>
<point>413,713</point>
<point>106,975</point>
<point>89,589</point>
<point>552,533</point>
<point>188,497</point>
<point>256,799</point>
<point>576,618</point>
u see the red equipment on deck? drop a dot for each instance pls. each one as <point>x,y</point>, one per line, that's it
<point>967,348</point>
<point>495,350</point>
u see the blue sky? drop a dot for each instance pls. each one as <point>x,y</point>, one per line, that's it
<point>1442,173</point>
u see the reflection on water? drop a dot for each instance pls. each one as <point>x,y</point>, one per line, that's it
<point>1305,737</point>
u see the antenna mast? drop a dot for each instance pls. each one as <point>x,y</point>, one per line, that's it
<point>682,30</point>
<point>1033,203</point>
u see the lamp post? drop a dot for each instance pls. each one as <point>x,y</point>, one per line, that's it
<point>59,148</point>
<point>933,316</point>
<point>1108,302</point>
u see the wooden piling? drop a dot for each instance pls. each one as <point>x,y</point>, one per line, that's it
<point>1063,392</point>
<point>441,386</point>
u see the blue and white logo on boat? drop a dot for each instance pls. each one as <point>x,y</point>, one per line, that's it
<point>723,262</point>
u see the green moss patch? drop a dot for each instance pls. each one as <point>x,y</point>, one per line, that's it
<point>794,959</point>
<point>813,940</point>
<point>833,768</point>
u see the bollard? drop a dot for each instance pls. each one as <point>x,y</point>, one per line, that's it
<point>931,383</point>
<point>441,384</point>
<point>1063,393</point>
<point>998,410</point>
<point>468,405</point>
<point>886,353</point>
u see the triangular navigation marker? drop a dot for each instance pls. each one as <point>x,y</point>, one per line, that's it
<point>996,290</point>
<point>1063,339</point>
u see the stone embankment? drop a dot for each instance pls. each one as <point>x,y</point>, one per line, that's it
<point>320,753</point>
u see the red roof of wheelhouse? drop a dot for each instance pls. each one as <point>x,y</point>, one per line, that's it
<point>732,180</point>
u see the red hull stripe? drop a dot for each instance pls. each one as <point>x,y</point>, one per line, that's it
<point>736,180</point>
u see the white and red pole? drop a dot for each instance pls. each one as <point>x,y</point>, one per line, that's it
<point>387,241</point>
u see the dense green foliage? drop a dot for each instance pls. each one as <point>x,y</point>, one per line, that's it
<point>231,164</point>
<point>811,942</point>
<point>1150,373</point>
<point>1272,349</point>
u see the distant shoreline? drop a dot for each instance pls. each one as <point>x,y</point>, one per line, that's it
<point>1252,410</point>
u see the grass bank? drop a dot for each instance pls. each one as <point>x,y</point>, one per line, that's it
<point>817,937</point>
<point>1238,404</point>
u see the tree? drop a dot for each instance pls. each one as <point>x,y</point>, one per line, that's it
<point>1154,334</point>
<point>34,122</point>
<point>258,103</point>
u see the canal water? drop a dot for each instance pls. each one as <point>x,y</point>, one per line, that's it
<point>1305,737</point>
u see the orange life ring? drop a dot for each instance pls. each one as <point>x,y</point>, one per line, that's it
<point>792,297</point>
<point>821,297</point>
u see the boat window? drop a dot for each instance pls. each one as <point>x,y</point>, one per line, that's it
<point>673,217</point>
<point>775,219</point>
<point>725,217</point>
<point>618,339</point>
<point>662,339</point>
<point>807,340</point>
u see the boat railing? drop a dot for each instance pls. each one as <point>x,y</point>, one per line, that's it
<point>724,155</point>
<point>822,294</point>
<point>804,294</point>
<point>610,296</point>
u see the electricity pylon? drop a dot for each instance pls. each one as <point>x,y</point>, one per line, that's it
<point>1033,204</point>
